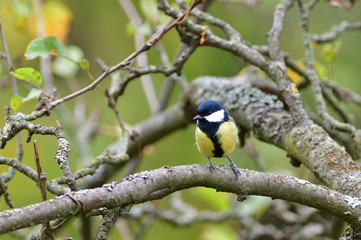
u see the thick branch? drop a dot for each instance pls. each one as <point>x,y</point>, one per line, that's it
<point>256,111</point>
<point>264,115</point>
<point>146,185</point>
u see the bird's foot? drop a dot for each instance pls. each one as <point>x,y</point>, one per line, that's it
<point>234,167</point>
<point>210,166</point>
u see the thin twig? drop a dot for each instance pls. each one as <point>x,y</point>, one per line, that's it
<point>150,43</point>
<point>46,228</point>
<point>183,53</point>
<point>346,117</point>
<point>112,104</point>
<point>103,159</point>
<point>14,126</point>
<point>8,60</point>
<point>5,193</point>
<point>52,187</point>
<point>19,145</point>
<point>336,31</point>
<point>41,179</point>
<point>200,15</point>
<point>314,79</point>
<point>341,93</point>
<point>142,60</point>
<point>286,87</point>
<point>109,220</point>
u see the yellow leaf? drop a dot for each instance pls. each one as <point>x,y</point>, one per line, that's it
<point>28,74</point>
<point>57,17</point>
<point>294,76</point>
<point>15,103</point>
<point>313,44</point>
<point>294,89</point>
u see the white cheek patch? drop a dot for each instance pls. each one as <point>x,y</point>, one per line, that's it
<point>216,116</point>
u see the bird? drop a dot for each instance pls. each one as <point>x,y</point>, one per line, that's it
<point>216,134</point>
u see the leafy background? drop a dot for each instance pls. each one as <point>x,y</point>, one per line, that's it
<point>100,29</point>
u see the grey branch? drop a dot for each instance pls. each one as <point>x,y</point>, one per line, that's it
<point>315,80</point>
<point>241,49</point>
<point>52,187</point>
<point>264,115</point>
<point>146,185</point>
<point>336,31</point>
<point>256,111</point>
<point>16,123</point>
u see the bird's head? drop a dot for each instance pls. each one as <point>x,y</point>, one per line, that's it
<point>211,111</point>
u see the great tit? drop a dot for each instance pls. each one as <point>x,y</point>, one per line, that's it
<point>216,134</point>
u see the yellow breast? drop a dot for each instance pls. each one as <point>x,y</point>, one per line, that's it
<point>227,137</point>
<point>204,143</point>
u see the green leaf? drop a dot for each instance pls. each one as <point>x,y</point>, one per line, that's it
<point>44,47</point>
<point>130,29</point>
<point>15,103</point>
<point>65,67</point>
<point>84,64</point>
<point>28,74</point>
<point>327,52</point>
<point>330,50</point>
<point>34,93</point>
<point>321,69</point>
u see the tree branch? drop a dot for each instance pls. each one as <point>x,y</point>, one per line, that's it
<point>5,177</point>
<point>264,115</point>
<point>15,124</point>
<point>31,173</point>
<point>144,186</point>
<point>284,84</point>
<point>336,31</point>
<point>241,49</point>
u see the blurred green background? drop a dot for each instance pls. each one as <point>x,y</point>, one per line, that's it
<point>99,29</point>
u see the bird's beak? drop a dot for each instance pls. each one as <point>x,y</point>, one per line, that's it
<point>198,117</point>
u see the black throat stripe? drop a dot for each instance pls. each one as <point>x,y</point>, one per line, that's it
<point>218,151</point>
<point>211,128</point>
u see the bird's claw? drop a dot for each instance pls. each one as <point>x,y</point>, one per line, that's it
<point>210,166</point>
<point>235,169</point>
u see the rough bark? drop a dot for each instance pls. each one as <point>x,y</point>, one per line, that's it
<point>156,184</point>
